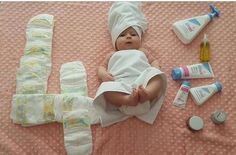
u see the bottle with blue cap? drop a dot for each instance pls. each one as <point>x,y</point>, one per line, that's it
<point>182,95</point>
<point>201,94</point>
<point>187,29</point>
<point>201,70</point>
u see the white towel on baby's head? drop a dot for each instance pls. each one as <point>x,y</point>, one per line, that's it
<point>122,15</point>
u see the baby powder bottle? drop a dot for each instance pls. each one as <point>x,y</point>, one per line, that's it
<point>182,95</point>
<point>203,93</point>
<point>205,52</point>
<point>187,29</point>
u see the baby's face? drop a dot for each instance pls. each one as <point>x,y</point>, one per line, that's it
<point>128,39</point>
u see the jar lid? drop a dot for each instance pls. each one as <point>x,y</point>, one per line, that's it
<point>219,117</point>
<point>196,123</point>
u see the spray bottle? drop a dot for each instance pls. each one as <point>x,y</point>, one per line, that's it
<point>187,29</point>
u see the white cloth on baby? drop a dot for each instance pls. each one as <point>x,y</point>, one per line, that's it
<point>77,132</point>
<point>130,68</point>
<point>122,15</point>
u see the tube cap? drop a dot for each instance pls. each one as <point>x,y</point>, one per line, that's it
<point>176,74</point>
<point>218,86</point>
<point>214,11</point>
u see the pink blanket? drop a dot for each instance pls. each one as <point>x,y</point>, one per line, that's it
<point>81,33</point>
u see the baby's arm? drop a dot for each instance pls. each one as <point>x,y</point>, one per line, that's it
<point>154,62</point>
<point>102,70</point>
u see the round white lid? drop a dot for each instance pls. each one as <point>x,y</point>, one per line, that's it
<point>196,123</point>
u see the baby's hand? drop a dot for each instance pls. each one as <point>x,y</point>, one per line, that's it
<point>107,77</point>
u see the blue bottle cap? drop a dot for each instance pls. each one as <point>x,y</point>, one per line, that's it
<point>187,83</point>
<point>176,74</point>
<point>218,86</point>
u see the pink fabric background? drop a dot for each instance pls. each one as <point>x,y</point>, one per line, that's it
<point>81,33</point>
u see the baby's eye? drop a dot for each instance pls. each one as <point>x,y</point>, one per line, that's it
<point>122,35</point>
<point>133,34</point>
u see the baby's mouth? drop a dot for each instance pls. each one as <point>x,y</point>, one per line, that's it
<point>128,42</point>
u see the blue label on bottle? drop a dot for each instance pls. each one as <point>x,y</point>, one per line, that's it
<point>206,90</point>
<point>195,21</point>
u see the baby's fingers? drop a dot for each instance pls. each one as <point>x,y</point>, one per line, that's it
<point>110,77</point>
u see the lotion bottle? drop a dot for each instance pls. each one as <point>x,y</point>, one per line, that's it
<point>203,93</point>
<point>187,29</point>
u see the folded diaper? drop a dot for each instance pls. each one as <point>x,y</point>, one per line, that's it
<point>32,109</point>
<point>41,21</point>
<point>72,102</point>
<point>38,47</point>
<point>35,109</point>
<point>36,33</point>
<point>35,65</point>
<point>77,132</point>
<point>73,78</point>
<point>31,79</point>
<point>37,61</point>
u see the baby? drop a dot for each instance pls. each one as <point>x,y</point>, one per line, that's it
<point>131,80</point>
<point>130,41</point>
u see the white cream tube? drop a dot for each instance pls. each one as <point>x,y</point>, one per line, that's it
<point>203,93</point>
<point>182,95</point>
<point>202,70</point>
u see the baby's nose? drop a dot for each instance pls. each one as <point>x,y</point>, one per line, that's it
<point>128,35</point>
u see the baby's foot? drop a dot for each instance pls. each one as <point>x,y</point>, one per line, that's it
<point>143,94</point>
<point>133,98</point>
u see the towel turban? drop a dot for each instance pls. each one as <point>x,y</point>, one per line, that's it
<point>123,15</point>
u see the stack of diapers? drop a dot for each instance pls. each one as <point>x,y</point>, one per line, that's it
<point>73,80</point>
<point>36,109</point>
<point>76,121</point>
<point>35,65</point>
<point>32,106</point>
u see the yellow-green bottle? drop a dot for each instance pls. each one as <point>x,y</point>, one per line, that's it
<point>205,52</point>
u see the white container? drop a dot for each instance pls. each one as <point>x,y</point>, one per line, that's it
<point>202,70</point>
<point>195,123</point>
<point>182,95</point>
<point>187,29</point>
<point>203,93</point>
<point>219,117</point>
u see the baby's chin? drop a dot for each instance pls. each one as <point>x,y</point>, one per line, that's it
<point>129,47</point>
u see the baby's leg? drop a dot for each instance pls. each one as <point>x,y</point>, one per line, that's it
<point>151,91</point>
<point>119,98</point>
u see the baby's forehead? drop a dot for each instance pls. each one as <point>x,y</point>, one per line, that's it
<point>129,29</point>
